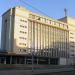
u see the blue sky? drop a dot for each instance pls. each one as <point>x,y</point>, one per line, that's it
<point>53,8</point>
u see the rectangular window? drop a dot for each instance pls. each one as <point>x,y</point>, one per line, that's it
<point>23,38</point>
<point>54,23</point>
<point>23,32</point>
<point>50,22</point>
<point>71,42</point>
<point>72,50</point>
<point>72,54</point>
<point>23,26</point>
<point>72,37</point>
<point>72,33</point>
<point>22,44</point>
<point>57,24</point>
<point>38,18</point>
<point>23,20</point>
<point>32,16</point>
<point>71,45</point>
<point>61,25</point>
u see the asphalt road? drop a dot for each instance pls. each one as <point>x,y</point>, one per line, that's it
<point>29,72</point>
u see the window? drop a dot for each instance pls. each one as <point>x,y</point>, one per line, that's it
<point>71,45</point>
<point>71,33</point>
<point>67,27</point>
<point>23,26</point>
<point>61,25</point>
<point>20,50</point>
<point>23,32</point>
<point>49,21</point>
<point>71,42</point>
<point>23,38</point>
<point>54,23</point>
<point>57,24</point>
<point>72,54</point>
<point>32,16</point>
<point>22,44</point>
<point>72,50</point>
<point>5,20</point>
<point>38,18</point>
<point>23,20</point>
<point>44,19</point>
<point>72,37</point>
<point>24,50</point>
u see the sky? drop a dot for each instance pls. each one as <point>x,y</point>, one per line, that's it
<point>52,8</point>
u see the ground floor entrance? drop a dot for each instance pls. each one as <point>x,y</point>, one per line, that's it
<point>27,59</point>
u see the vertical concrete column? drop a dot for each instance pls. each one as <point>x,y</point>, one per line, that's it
<point>48,60</point>
<point>4,60</point>
<point>37,61</point>
<point>10,59</point>
<point>0,59</point>
<point>67,61</point>
<point>25,60</point>
<point>15,60</point>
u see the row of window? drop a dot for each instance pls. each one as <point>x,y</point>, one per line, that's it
<point>72,42</point>
<point>48,21</point>
<point>23,38</point>
<point>22,44</point>
<point>72,37</point>
<point>23,32</point>
<point>22,50</point>
<point>72,50</point>
<point>46,53</point>
<point>23,26</point>
<point>23,20</point>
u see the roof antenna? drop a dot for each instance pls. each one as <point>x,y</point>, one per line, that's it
<point>65,10</point>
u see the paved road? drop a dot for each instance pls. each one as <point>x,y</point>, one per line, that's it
<point>60,73</point>
<point>16,72</point>
<point>39,72</point>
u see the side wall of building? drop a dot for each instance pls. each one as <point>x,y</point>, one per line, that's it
<point>7,31</point>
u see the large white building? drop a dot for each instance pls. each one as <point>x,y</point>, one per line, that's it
<point>24,32</point>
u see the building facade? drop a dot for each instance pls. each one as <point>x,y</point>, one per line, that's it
<point>71,25</point>
<point>25,32</point>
